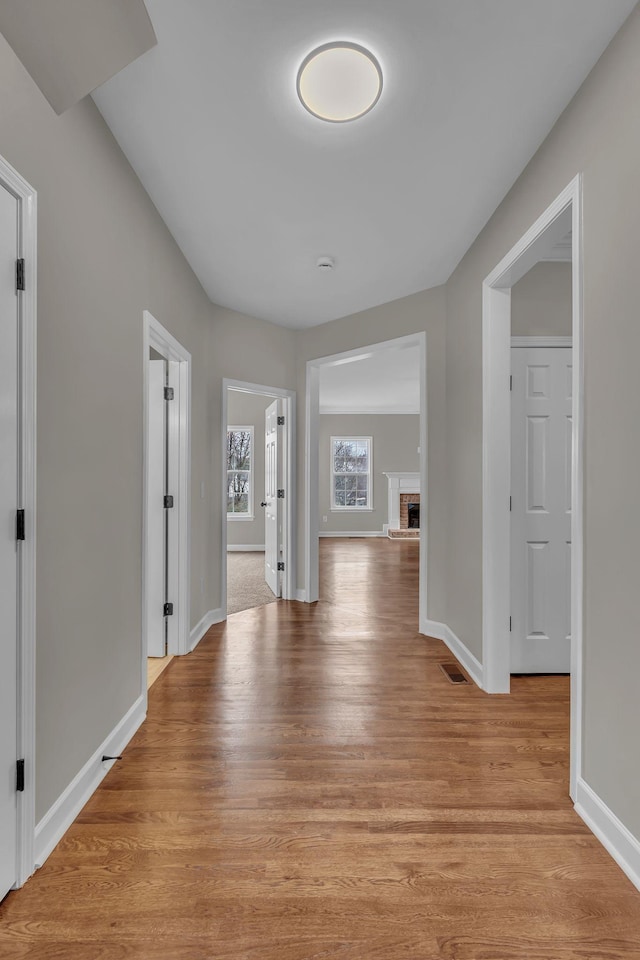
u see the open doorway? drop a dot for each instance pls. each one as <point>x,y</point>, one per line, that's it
<point>166,499</point>
<point>532,451</point>
<point>258,495</point>
<point>366,480</point>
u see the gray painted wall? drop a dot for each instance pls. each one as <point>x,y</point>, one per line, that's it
<point>247,409</point>
<point>76,46</point>
<point>395,447</point>
<point>598,135</point>
<point>541,302</point>
<point>104,257</point>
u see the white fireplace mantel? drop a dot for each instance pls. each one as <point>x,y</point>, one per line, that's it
<point>400,483</point>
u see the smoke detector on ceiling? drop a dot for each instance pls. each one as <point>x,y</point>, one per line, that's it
<point>325,264</point>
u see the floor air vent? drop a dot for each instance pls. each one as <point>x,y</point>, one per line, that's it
<point>453,673</point>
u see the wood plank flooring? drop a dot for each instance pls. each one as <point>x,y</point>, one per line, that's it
<point>308,786</point>
<point>156,666</point>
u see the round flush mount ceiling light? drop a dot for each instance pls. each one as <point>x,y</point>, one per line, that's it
<point>339,82</point>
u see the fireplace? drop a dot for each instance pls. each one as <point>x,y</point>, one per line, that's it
<point>404,493</point>
<point>409,511</point>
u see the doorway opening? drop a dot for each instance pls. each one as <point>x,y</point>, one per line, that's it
<point>167,458</point>
<point>258,495</point>
<point>559,226</point>
<point>18,532</point>
<point>366,461</point>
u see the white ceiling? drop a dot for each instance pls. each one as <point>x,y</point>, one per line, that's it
<point>255,189</point>
<point>384,382</point>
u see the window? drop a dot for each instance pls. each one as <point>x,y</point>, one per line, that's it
<point>351,473</point>
<point>239,473</point>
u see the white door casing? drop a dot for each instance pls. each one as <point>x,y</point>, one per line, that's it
<point>287,453</point>
<point>178,440</point>
<point>9,499</point>
<point>173,428</point>
<point>541,452</point>
<point>156,641</point>
<point>272,524</point>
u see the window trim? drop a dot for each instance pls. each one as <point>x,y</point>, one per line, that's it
<point>250,514</point>
<point>336,508</point>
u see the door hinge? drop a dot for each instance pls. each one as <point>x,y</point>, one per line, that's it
<point>20,776</point>
<point>19,524</point>
<point>509,624</point>
<point>168,501</point>
<point>168,393</point>
<point>280,494</point>
<point>19,274</point>
<point>511,382</point>
<point>168,610</point>
<point>510,504</point>
<point>281,421</point>
<point>280,564</point>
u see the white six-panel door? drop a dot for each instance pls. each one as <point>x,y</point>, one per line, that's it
<point>272,509</point>
<point>541,509</point>
<point>8,545</point>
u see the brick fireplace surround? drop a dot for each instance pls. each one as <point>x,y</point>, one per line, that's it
<point>405,500</point>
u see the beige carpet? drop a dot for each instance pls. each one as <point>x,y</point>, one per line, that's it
<point>245,582</point>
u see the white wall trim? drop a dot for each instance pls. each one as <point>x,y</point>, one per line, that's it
<point>301,596</point>
<point>210,618</point>
<point>399,482</point>
<point>290,468</point>
<point>64,811</point>
<point>542,342</point>
<point>610,831</point>
<point>158,337</point>
<point>26,692</point>
<point>246,547</point>
<point>432,628</point>
<point>563,214</point>
<point>352,533</point>
<point>312,461</point>
<point>370,412</point>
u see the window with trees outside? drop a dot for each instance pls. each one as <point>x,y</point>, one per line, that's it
<point>351,473</point>
<point>239,473</point>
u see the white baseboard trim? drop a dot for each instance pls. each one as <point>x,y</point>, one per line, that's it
<point>198,632</point>
<point>610,831</point>
<point>64,811</point>
<point>245,548</point>
<point>352,533</point>
<point>301,596</point>
<point>432,628</point>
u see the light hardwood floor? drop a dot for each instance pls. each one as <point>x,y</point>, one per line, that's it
<point>155,667</point>
<point>308,786</point>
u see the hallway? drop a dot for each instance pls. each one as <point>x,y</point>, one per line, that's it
<point>309,785</point>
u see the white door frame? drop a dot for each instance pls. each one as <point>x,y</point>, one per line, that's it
<point>564,212</point>
<point>311,565</point>
<point>288,459</point>
<point>156,336</point>
<point>26,679</point>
